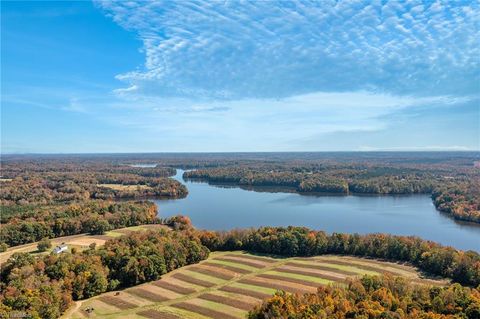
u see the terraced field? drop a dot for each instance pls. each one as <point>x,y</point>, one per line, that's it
<point>228,284</point>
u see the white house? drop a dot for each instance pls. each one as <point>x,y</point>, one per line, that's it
<point>60,249</point>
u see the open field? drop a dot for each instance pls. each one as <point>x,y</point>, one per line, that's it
<point>228,284</point>
<point>81,241</point>
<point>121,187</point>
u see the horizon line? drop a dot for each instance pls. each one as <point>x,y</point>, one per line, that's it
<point>242,152</point>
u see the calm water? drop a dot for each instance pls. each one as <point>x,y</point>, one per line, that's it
<point>221,208</point>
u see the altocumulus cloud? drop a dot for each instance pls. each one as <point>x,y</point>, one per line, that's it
<point>296,75</point>
<point>276,49</point>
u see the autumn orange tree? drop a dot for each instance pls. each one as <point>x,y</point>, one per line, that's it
<point>374,298</point>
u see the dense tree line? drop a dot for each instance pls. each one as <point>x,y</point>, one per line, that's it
<point>462,267</point>
<point>93,217</point>
<point>422,160</point>
<point>461,200</point>
<point>11,169</point>
<point>48,188</point>
<point>370,297</point>
<point>137,258</point>
<point>334,180</point>
<point>45,287</point>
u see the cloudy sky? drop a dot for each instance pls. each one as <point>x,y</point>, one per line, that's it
<point>240,76</point>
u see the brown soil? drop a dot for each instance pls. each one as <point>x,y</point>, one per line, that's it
<point>240,261</point>
<point>219,273</point>
<point>245,292</point>
<point>359,266</point>
<point>322,267</point>
<point>227,301</point>
<point>145,294</point>
<point>204,311</point>
<point>155,314</point>
<point>192,280</point>
<point>295,280</point>
<point>87,240</point>
<point>99,237</point>
<point>172,287</point>
<point>117,302</point>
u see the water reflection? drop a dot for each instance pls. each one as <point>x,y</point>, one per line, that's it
<point>225,207</point>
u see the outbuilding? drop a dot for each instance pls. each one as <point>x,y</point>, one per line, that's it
<point>60,249</point>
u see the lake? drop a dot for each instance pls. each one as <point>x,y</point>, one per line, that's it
<point>226,207</point>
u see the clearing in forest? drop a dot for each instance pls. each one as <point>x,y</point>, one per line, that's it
<point>228,284</point>
<point>121,187</point>
<point>80,241</point>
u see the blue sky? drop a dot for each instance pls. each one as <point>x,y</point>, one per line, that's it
<point>239,76</point>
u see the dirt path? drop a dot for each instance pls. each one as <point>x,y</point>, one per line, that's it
<point>79,240</point>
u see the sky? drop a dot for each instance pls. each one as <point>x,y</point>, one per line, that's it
<point>225,76</point>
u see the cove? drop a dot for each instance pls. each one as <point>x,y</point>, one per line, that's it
<point>216,207</point>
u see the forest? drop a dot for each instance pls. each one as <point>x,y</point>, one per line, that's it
<point>95,217</point>
<point>370,297</point>
<point>46,199</point>
<point>343,181</point>
<point>45,286</point>
<point>460,199</point>
<point>61,187</point>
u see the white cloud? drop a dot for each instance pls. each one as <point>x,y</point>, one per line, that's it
<point>274,123</point>
<point>75,106</point>
<point>130,89</point>
<point>283,48</point>
<point>426,148</point>
<point>272,75</point>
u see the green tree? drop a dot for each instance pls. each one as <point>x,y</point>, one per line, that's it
<point>99,227</point>
<point>3,247</point>
<point>44,244</point>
